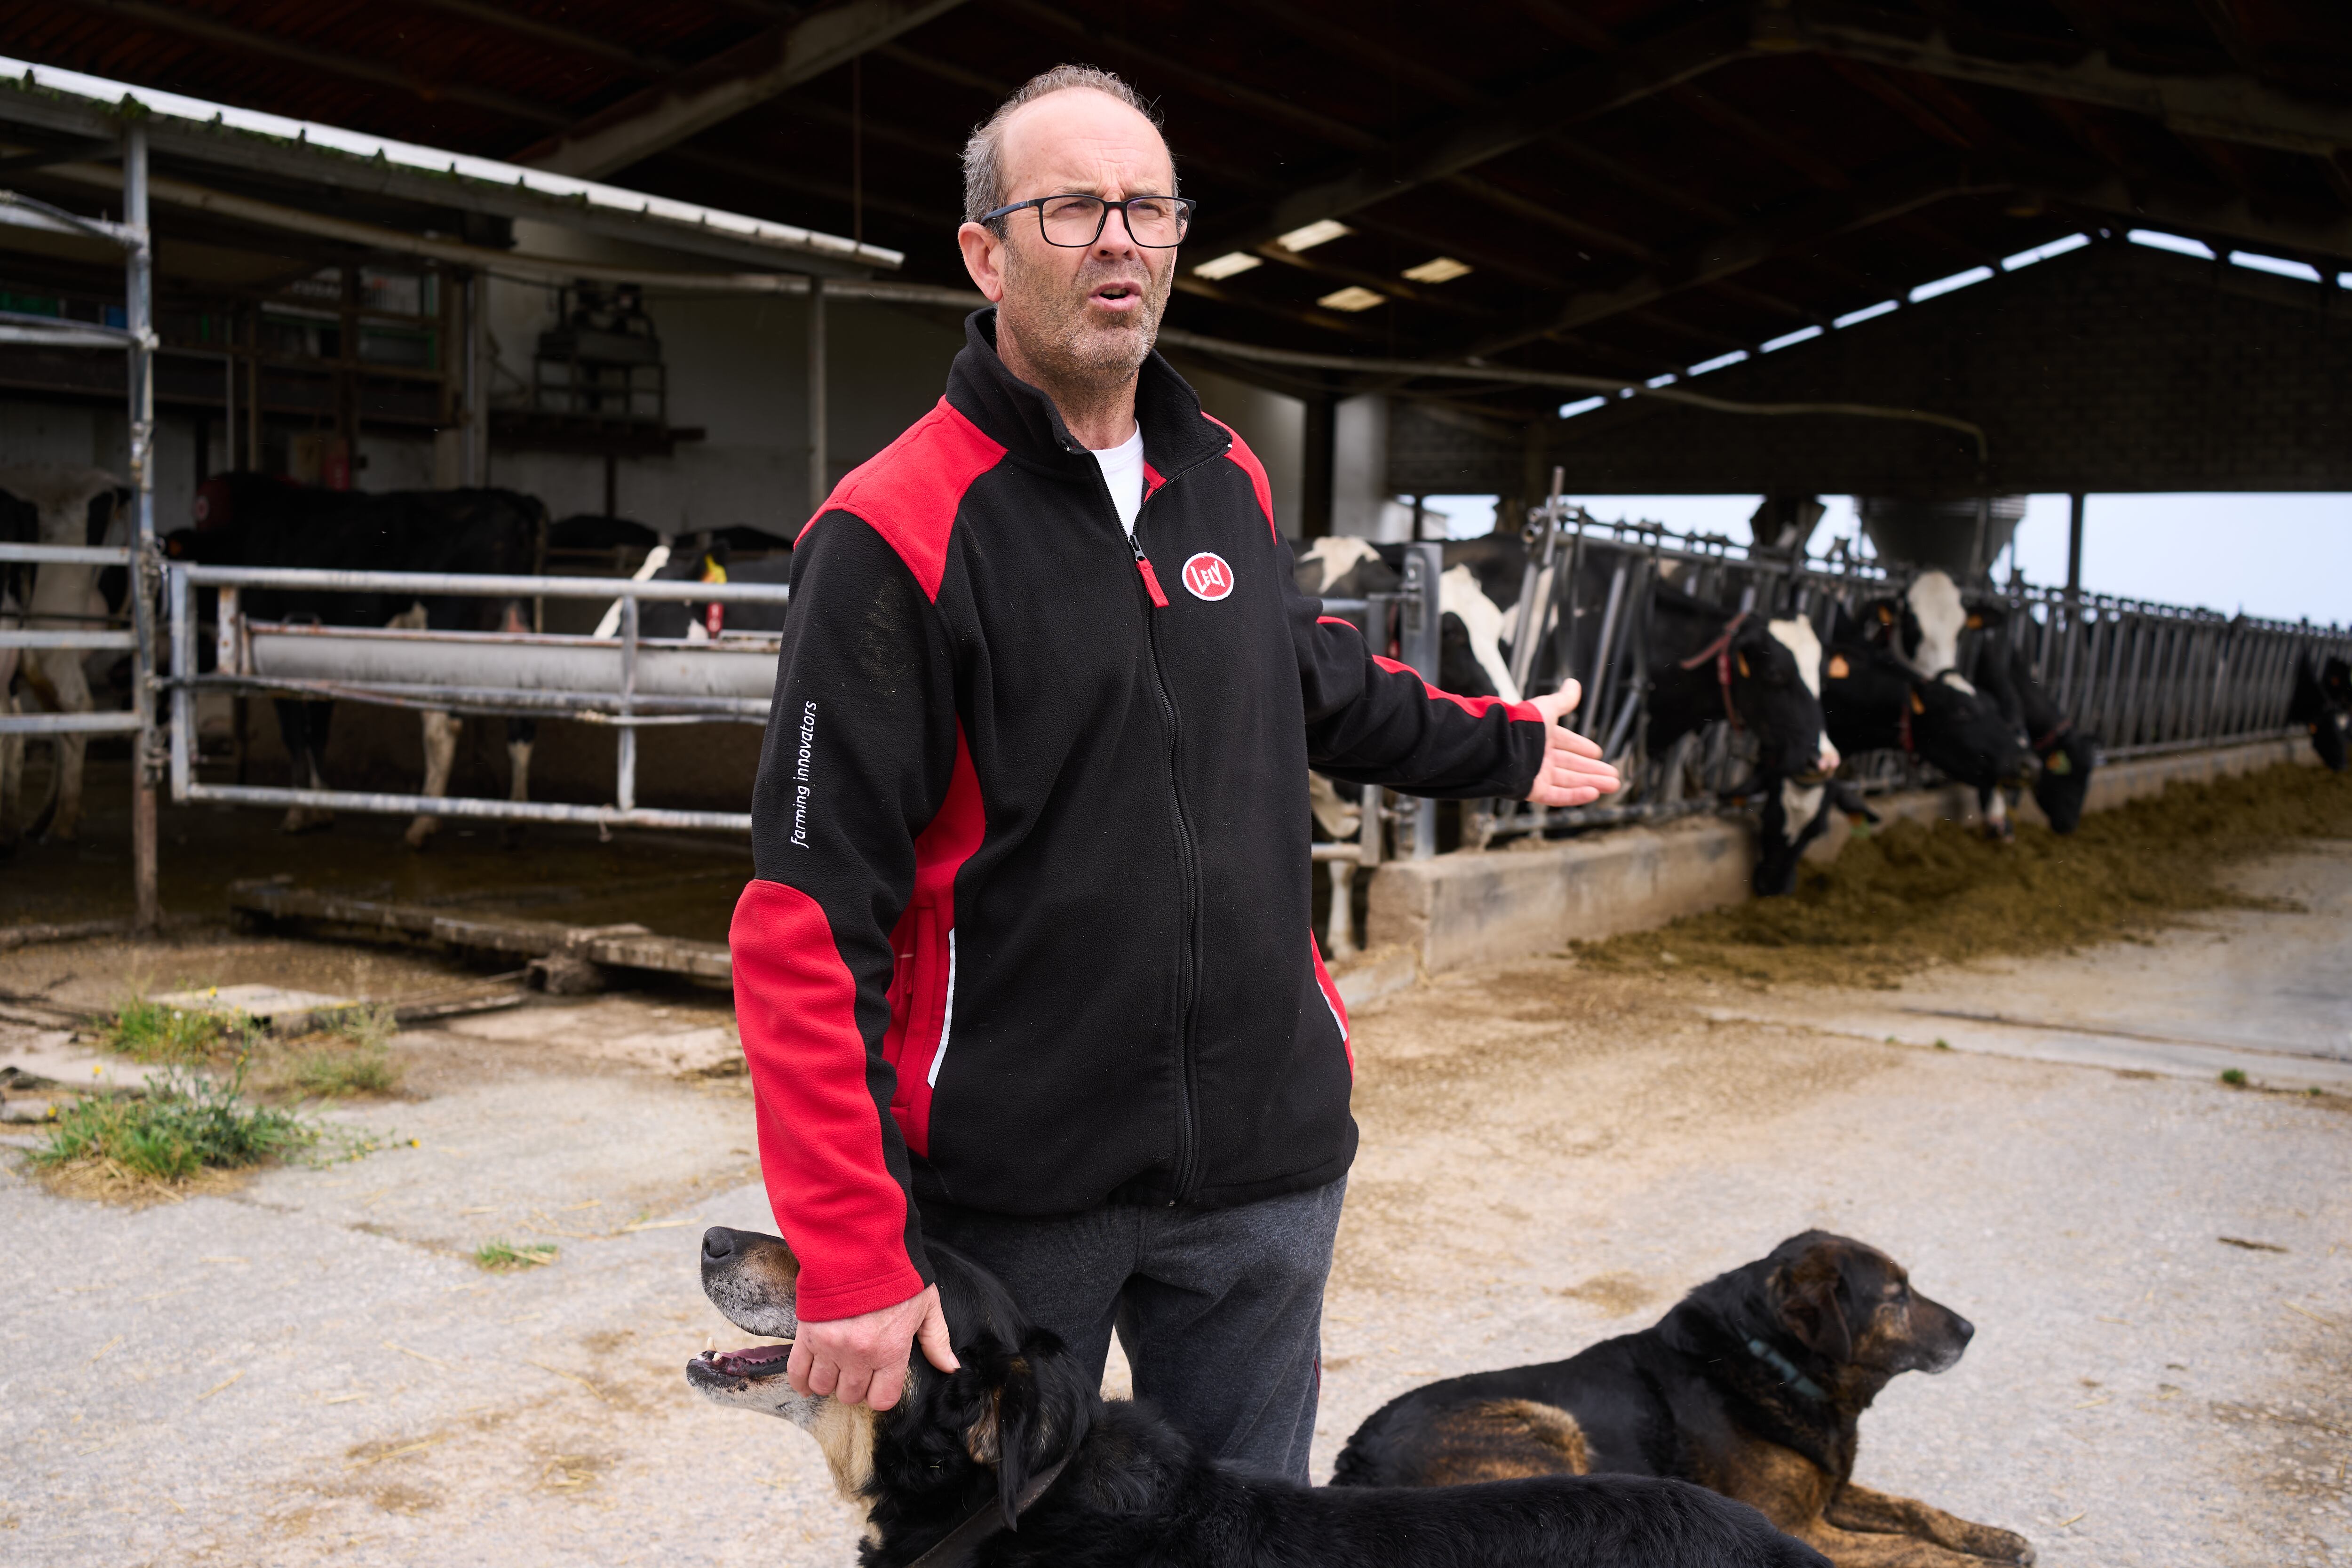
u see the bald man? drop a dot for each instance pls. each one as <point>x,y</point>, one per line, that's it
<point>1026,969</point>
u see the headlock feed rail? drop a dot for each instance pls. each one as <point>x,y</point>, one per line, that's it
<point>627,681</point>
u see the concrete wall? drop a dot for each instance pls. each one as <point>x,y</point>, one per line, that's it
<point>1464,908</point>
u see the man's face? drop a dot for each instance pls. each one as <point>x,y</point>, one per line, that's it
<point>1087,315</point>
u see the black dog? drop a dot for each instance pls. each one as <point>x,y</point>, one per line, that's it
<point>1016,1460</point>
<point>1752,1386</point>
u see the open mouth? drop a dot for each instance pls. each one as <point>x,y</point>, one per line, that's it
<point>752,1364</point>
<point>1118,296</point>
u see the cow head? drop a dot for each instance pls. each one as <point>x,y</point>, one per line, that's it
<point>2310,707</point>
<point>1922,626</point>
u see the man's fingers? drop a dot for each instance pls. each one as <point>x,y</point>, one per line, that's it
<point>1569,740</point>
<point>888,1384</point>
<point>934,1335</point>
<point>854,1381</point>
<point>824,1377</point>
<point>796,1367</point>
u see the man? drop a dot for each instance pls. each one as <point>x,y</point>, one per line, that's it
<point>1027,968</point>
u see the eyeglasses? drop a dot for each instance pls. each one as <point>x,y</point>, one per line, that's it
<point>1156,223</point>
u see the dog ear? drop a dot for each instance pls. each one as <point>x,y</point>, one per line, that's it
<point>1037,1413</point>
<point>1810,1307</point>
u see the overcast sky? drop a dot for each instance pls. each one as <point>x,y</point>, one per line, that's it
<point>2287,556</point>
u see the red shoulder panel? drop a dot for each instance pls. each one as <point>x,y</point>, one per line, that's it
<point>1247,460</point>
<point>909,490</point>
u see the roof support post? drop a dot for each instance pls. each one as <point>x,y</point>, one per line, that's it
<point>2075,545</point>
<point>138,285</point>
<point>817,486</point>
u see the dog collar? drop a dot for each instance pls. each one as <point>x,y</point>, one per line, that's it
<point>1789,1376</point>
<point>955,1549</point>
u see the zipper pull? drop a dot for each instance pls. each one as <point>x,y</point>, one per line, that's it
<point>1150,578</point>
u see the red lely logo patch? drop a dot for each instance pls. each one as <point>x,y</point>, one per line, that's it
<point>1207,576</point>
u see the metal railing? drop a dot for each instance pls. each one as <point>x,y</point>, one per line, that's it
<point>627,682</point>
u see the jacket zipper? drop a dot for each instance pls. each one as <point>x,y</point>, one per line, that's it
<point>1188,1130</point>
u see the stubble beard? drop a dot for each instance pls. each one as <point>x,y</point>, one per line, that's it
<point>1078,361</point>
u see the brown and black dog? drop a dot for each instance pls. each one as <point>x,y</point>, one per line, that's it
<point>1015,1460</point>
<point>1753,1386</point>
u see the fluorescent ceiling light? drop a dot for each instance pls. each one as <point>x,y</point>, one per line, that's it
<point>1320,231</point>
<point>1436,270</point>
<point>1868,313</point>
<point>1787,340</point>
<point>438,161</point>
<point>1666,380</point>
<point>1945,285</point>
<point>1232,264</point>
<point>1718,361</point>
<point>2157,240</point>
<point>1352,298</point>
<point>2044,252</point>
<point>1581,405</point>
<point>2280,265</point>
<point>2344,281</point>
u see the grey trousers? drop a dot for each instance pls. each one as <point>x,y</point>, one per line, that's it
<point>1220,1310</point>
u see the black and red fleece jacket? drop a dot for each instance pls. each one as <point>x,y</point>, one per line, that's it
<point>1030,929</point>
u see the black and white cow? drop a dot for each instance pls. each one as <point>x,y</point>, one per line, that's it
<point>1874,700</point>
<point>2064,757</point>
<point>254,520</point>
<point>1762,675</point>
<point>73,506</point>
<point>1922,627</point>
<point>715,563</point>
<point>2322,704</point>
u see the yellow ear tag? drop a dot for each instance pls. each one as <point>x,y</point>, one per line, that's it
<point>2059,763</point>
<point>1886,616</point>
<point>1917,706</point>
<point>1976,623</point>
<point>712,571</point>
<point>1743,667</point>
<point>1839,669</point>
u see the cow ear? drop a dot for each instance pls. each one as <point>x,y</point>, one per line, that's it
<point>1838,669</point>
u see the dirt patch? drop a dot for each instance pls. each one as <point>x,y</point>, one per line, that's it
<point>1910,895</point>
<point>1618,1294</point>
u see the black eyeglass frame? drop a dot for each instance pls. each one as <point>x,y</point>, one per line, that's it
<point>1184,208</point>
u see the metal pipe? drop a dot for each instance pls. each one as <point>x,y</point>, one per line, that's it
<point>121,722</point>
<point>625,747</point>
<point>468,806</point>
<point>475,468</point>
<point>1424,563</point>
<point>521,701</point>
<point>68,554</point>
<point>181,599</point>
<point>89,640</point>
<point>487,585</point>
<point>137,316</point>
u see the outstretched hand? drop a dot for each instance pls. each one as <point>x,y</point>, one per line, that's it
<point>1572,772</point>
<point>863,1360</point>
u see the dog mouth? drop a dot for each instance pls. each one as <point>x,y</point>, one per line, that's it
<point>739,1368</point>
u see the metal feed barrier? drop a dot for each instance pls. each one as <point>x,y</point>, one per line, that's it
<point>2145,677</point>
<point>628,682</point>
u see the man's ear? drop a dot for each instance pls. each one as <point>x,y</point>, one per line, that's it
<point>1811,1307</point>
<point>984,258</point>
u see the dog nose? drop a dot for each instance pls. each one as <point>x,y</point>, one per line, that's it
<point>1962,1328</point>
<point>718,1243</point>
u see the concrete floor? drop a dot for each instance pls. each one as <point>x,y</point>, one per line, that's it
<point>307,1368</point>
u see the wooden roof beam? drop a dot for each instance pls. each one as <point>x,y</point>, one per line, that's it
<point>717,89</point>
<point>1726,255</point>
<point>1584,92</point>
<point>239,40</point>
<point>2228,107</point>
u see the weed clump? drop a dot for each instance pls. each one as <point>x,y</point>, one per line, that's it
<point>501,1257</point>
<point>158,1032</point>
<point>183,1126</point>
